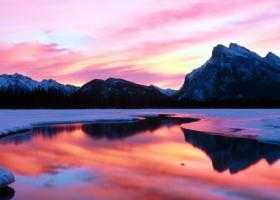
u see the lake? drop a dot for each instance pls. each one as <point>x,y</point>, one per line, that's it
<point>191,154</point>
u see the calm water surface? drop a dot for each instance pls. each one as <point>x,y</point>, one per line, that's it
<point>147,159</point>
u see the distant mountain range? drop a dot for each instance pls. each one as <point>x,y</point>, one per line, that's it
<point>233,76</point>
<point>21,91</point>
<point>19,83</point>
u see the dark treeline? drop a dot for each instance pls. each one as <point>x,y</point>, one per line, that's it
<point>35,99</point>
<point>55,99</point>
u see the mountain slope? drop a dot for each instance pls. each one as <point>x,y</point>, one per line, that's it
<point>168,92</point>
<point>233,74</point>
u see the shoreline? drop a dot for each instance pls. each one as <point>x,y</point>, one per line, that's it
<point>14,122</point>
<point>132,119</point>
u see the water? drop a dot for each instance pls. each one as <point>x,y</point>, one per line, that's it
<point>158,158</point>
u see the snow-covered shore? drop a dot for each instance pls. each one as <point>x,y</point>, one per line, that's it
<point>18,120</point>
<point>262,123</point>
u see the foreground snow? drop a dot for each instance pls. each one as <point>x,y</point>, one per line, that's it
<point>6,177</point>
<point>264,124</point>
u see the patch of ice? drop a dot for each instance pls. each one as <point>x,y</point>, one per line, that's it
<point>6,177</point>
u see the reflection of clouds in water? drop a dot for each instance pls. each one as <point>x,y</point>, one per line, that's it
<point>135,161</point>
<point>62,178</point>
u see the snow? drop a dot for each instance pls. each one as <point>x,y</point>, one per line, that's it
<point>18,120</point>
<point>261,124</point>
<point>264,124</point>
<point>6,177</point>
<point>17,81</point>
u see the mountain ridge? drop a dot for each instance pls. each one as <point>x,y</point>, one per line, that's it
<point>21,82</point>
<point>120,93</point>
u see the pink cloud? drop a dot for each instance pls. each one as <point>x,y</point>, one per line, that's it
<point>192,12</point>
<point>35,59</point>
<point>44,61</point>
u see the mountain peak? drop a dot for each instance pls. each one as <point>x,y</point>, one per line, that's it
<point>118,81</point>
<point>232,51</point>
<point>114,80</point>
<point>49,81</point>
<point>272,58</point>
<point>16,76</point>
<point>238,48</point>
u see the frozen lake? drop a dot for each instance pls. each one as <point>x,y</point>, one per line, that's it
<point>120,154</point>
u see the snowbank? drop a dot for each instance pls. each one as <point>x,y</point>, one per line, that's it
<point>6,177</point>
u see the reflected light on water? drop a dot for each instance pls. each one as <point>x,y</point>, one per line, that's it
<point>93,161</point>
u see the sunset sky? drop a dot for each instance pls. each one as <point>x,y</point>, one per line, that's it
<point>145,41</point>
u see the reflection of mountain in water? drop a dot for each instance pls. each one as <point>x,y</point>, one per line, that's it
<point>110,129</point>
<point>119,130</point>
<point>235,154</point>
<point>7,193</point>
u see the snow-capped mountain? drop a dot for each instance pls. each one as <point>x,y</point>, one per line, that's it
<point>17,82</point>
<point>234,73</point>
<point>20,83</point>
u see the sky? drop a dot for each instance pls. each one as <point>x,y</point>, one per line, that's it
<point>146,41</point>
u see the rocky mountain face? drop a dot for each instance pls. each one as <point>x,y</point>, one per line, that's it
<point>120,93</point>
<point>233,74</point>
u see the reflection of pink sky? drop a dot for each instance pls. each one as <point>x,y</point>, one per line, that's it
<point>133,168</point>
<point>144,41</point>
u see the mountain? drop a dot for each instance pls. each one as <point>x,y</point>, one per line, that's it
<point>17,82</point>
<point>120,93</point>
<point>20,83</point>
<point>17,90</point>
<point>234,74</point>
